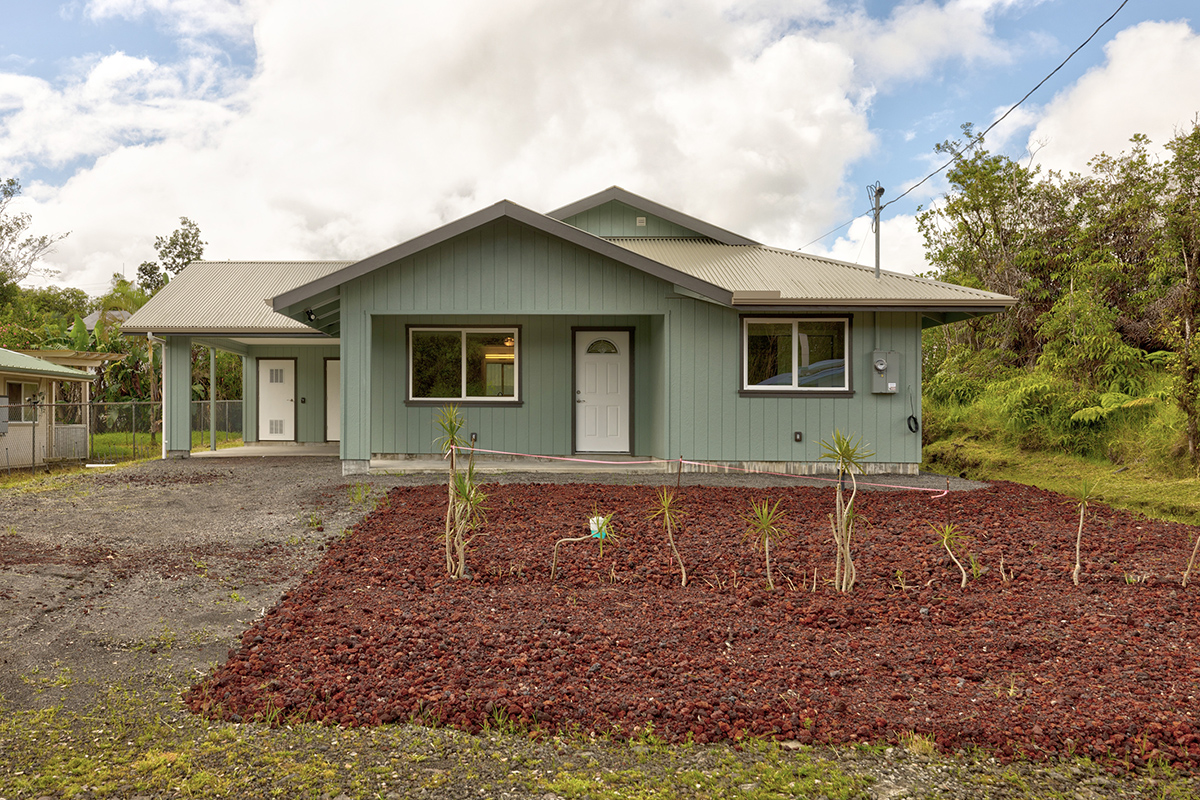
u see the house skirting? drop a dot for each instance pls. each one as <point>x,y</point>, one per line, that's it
<point>515,464</point>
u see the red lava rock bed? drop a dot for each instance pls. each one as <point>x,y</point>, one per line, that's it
<point>1022,665</point>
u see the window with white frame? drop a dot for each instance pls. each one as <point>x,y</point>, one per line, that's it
<point>477,364</point>
<point>795,354</point>
<point>21,397</point>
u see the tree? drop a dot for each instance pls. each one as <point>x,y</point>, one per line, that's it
<point>175,252</point>
<point>20,252</point>
<point>1181,267</point>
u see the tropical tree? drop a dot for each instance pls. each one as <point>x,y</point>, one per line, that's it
<point>175,252</point>
<point>20,252</point>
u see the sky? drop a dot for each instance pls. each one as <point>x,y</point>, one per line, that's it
<point>302,129</point>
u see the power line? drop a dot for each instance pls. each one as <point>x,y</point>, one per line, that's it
<point>985,132</point>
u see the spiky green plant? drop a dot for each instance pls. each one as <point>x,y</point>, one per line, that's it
<point>668,513</point>
<point>848,454</point>
<point>951,538</point>
<point>764,523</point>
<point>1088,493</point>
<point>464,502</point>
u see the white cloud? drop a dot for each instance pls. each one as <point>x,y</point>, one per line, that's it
<point>189,18</point>
<point>113,101</point>
<point>366,123</point>
<point>1149,84</point>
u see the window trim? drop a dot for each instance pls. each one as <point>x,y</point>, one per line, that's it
<point>463,400</point>
<point>25,411</point>
<point>747,390</point>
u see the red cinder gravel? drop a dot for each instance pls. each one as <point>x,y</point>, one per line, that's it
<point>1023,664</point>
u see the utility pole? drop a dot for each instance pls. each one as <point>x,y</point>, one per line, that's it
<point>875,191</point>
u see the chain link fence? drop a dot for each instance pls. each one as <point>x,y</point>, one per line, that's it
<point>42,434</point>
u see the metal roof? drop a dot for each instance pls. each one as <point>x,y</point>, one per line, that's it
<point>19,363</point>
<point>759,275</point>
<point>228,298</point>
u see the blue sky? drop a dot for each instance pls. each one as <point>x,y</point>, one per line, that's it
<point>322,130</point>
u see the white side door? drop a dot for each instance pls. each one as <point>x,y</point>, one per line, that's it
<point>276,400</point>
<point>602,396</point>
<point>333,400</point>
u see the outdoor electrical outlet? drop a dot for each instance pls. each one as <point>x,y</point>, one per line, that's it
<point>799,436</point>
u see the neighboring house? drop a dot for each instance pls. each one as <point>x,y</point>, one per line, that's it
<point>110,316</point>
<point>614,325</point>
<point>32,430</point>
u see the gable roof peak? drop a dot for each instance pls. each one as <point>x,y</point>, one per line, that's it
<point>650,207</point>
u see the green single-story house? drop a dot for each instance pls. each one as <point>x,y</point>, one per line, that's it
<point>614,325</point>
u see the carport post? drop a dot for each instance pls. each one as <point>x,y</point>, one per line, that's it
<point>212,393</point>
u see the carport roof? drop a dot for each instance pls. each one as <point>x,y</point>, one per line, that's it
<point>228,298</point>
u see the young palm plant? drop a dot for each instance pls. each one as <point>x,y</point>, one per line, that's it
<point>1088,494</point>
<point>464,502</point>
<point>764,523</point>
<point>848,454</point>
<point>951,538</point>
<point>668,513</point>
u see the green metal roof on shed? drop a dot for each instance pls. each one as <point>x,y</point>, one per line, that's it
<point>12,362</point>
<point>228,298</point>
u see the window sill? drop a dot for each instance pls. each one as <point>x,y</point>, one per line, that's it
<point>847,393</point>
<point>465,403</point>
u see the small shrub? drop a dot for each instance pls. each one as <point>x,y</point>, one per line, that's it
<point>764,523</point>
<point>668,513</point>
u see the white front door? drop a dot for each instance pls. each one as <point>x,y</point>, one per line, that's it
<point>276,400</point>
<point>333,400</point>
<point>602,393</point>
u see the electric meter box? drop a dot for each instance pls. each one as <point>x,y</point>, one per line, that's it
<point>885,372</point>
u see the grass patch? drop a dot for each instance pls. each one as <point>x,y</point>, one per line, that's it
<point>1138,487</point>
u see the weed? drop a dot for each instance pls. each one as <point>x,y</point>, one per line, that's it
<point>918,744</point>
<point>900,584</point>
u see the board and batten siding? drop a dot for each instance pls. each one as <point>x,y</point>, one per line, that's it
<point>310,386</point>
<point>618,219</point>
<point>687,357</point>
<point>713,422</point>
<point>542,424</point>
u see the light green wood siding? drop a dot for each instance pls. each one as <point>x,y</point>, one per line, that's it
<point>686,358</point>
<point>711,421</point>
<point>543,423</point>
<point>310,388</point>
<point>615,218</point>
<point>177,394</point>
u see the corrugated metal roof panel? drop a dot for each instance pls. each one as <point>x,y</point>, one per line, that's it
<point>228,297</point>
<point>801,278</point>
<point>11,361</point>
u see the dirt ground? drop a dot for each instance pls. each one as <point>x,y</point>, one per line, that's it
<point>146,576</point>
